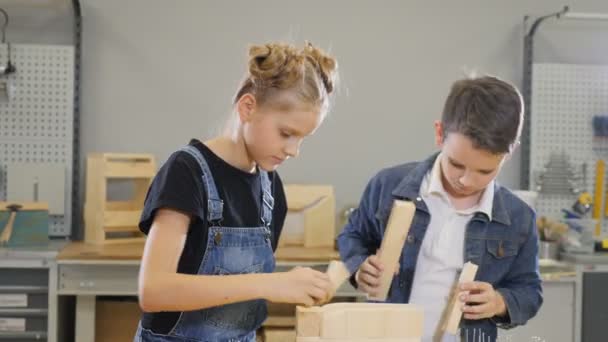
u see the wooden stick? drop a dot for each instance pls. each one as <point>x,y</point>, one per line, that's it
<point>396,231</point>
<point>468,273</point>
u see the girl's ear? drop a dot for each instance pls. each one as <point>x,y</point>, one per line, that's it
<point>245,107</point>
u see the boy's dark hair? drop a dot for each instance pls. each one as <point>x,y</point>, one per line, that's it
<point>486,110</point>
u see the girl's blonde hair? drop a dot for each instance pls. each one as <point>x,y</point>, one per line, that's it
<point>309,74</point>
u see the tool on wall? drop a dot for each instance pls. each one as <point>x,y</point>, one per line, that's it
<point>7,232</point>
<point>23,223</point>
<point>600,168</point>
<point>559,176</point>
<point>9,68</point>
<point>583,204</point>
<point>600,132</point>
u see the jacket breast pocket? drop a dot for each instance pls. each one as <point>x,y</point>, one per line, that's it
<point>501,248</point>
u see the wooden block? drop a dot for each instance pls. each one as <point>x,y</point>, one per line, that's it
<point>468,273</point>
<point>338,273</point>
<point>396,231</point>
<point>308,321</point>
<point>359,321</point>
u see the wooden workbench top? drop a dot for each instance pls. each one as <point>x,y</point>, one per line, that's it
<point>85,251</point>
<point>133,251</point>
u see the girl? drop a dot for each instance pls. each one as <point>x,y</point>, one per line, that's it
<point>214,212</point>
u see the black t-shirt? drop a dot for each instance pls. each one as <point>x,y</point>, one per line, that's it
<point>178,186</point>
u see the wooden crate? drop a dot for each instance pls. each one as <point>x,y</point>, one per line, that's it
<point>116,221</point>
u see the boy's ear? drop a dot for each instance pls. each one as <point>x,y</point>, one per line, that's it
<point>438,133</point>
<point>245,107</point>
<point>512,150</point>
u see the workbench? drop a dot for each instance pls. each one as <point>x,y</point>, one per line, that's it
<point>87,271</point>
<point>591,295</point>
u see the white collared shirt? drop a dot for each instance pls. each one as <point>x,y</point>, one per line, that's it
<point>441,255</point>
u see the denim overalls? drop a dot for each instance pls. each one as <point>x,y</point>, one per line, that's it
<point>230,250</point>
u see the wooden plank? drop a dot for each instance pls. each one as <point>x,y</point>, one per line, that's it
<point>125,218</point>
<point>129,170</point>
<point>468,273</point>
<point>139,157</point>
<point>123,205</point>
<point>391,247</point>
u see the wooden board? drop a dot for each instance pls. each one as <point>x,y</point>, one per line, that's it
<point>396,231</point>
<point>468,273</point>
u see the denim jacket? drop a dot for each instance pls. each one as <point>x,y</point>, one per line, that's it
<point>505,248</point>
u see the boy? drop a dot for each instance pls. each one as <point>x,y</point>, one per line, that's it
<point>462,215</point>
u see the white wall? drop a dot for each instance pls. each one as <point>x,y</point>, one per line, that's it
<point>158,72</point>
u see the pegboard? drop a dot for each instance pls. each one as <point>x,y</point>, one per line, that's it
<point>36,124</point>
<point>565,97</point>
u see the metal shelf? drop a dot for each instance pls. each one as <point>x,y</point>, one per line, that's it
<point>26,335</point>
<point>25,312</point>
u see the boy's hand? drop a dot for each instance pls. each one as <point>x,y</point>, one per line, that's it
<point>480,300</point>
<point>368,275</point>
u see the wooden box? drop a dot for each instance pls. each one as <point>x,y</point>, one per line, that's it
<point>310,220</point>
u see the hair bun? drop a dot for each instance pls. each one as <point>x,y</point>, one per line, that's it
<point>326,65</point>
<point>268,62</point>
